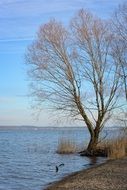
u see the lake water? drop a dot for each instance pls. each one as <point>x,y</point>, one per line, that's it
<point>28,156</point>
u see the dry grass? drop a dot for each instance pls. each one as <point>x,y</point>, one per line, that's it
<point>66,146</point>
<point>113,148</point>
<point>116,148</point>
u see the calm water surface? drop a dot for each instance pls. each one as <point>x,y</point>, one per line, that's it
<point>28,156</point>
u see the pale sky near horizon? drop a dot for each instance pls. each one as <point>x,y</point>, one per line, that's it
<point>19,22</point>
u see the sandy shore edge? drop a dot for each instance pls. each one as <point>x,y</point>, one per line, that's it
<point>111,175</point>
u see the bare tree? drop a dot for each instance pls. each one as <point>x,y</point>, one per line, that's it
<point>73,70</point>
<point>119,26</point>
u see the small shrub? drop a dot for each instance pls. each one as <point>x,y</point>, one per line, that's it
<point>66,146</point>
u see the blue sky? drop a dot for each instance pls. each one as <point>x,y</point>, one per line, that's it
<point>19,22</point>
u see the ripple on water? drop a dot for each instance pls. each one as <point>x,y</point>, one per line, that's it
<point>28,159</point>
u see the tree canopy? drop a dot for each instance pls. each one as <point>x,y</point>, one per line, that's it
<point>77,71</point>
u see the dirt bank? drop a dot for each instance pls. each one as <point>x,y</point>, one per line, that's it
<point>111,175</point>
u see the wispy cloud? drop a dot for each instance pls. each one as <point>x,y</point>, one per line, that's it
<point>17,39</point>
<point>22,17</point>
<point>14,45</point>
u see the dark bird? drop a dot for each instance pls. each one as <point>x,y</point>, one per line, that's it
<point>57,167</point>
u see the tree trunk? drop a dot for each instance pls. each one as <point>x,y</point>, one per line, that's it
<point>93,142</point>
<point>92,146</point>
<point>92,149</point>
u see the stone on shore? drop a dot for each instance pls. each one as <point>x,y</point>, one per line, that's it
<point>111,175</point>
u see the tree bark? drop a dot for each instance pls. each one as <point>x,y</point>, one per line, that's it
<point>93,142</point>
<point>92,146</point>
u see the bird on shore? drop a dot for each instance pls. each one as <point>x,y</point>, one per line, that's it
<point>57,167</point>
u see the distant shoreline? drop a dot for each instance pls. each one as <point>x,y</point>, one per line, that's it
<point>51,127</point>
<point>110,175</point>
<point>40,127</point>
